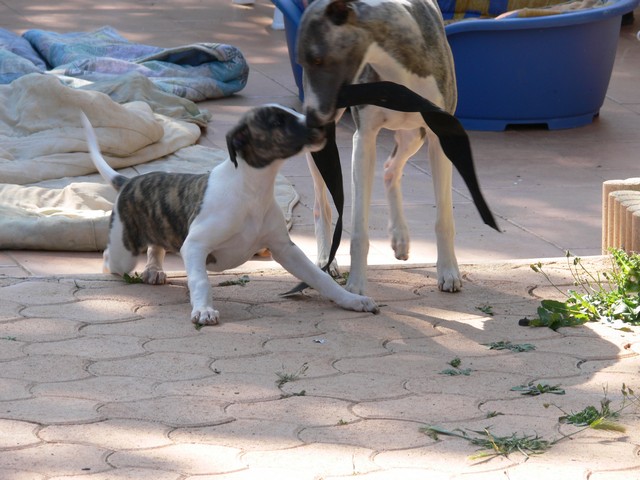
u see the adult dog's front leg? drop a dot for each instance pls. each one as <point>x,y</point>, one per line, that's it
<point>447,264</point>
<point>321,217</point>
<point>195,260</point>
<point>362,172</point>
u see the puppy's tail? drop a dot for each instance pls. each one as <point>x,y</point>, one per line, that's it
<point>108,173</point>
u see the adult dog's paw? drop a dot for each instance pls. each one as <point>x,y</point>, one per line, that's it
<point>449,280</point>
<point>205,316</point>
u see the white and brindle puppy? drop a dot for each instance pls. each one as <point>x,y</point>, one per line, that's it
<point>403,41</point>
<point>218,220</point>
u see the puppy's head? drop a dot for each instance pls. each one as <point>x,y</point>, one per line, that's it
<point>272,132</point>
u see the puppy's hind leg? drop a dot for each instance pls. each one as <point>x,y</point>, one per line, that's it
<point>117,259</point>
<point>153,272</point>
<point>408,142</point>
<point>447,264</point>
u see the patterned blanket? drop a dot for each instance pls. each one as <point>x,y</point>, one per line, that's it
<point>195,72</point>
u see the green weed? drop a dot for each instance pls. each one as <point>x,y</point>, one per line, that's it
<point>608,296</point>
<point>514,347</point>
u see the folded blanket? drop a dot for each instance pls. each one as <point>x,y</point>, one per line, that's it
<point>73,213</point>
<point>41,136</point>
<point>195,72</point>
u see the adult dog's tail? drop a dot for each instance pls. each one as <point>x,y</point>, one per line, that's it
<point>109,174</point>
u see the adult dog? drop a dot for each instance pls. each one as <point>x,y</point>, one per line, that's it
<point>358,41</point>
<point>217,220</point>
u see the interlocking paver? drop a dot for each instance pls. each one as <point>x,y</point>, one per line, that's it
<point>193,459</point>
<point>87,311</point>
<point>61,458</point>
<point>159,366</point>
<point>110,434</point>
<point>124,474</point>
<point>176,411</point>
<point>15,434</point>
<point>107,388</point>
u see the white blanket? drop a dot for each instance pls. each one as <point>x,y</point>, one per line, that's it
<point>41,136</point>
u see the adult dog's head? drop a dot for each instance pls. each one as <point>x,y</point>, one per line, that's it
<point>330,49</point>
<point>272,132</point>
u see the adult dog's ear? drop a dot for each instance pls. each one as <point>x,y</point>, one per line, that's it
<point>339,11</point>
<point>237,140</point>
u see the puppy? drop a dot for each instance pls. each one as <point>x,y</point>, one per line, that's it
<point>218,220</point>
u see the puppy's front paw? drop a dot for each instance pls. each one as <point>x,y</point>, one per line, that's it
<point>205,316</point>
<point>360,303</point>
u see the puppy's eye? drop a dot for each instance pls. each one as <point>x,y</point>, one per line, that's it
<point>317,61</point>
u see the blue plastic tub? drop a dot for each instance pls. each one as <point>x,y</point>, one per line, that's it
<point>551,70</point>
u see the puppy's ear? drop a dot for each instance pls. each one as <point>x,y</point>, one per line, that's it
<point>339,11</point>
<point>237,139</point>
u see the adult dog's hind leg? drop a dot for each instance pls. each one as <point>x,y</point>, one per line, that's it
<point>321,217</point>
<point>442,171</point>
<point>408,142</point>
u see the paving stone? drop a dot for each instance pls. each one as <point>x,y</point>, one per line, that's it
<point>10,311</point>
<point>139,294</point>
<point>269,326</point>
<point>175,411</point>
<point>375,434</point>
<point>45,368</point>
<point>39,329</point>
<point>270,364</point>
<point>478,384</point>
<point>532,364</point>
<point>189,459</point>
<point>87,311</point>
<point>250,434</point>
<point>616,474</point>
<point>355,387</point>
<point>388,325</point>
<point>125,474</point>
<point>584,348</point>
<point>98,347</point>
<point>100,389</point>
<point>10,348</point>
<point>402,365</point>
<point>298,410</point>
<point>229,311</point>
<point>15,434</point>
<point>210,344</point>
<point>449,456</point>
<point>13,389</point>
<point>22,475</point>
<point>64,459</point>
<point>161,366</point>
<point>168,326</point>
<point>50,410</point>
<point>35,292</point>
<point>109,434</point>
<point>223,387</point>
<point>427,409</point>
<point>323,459</point>
<point>332,344</point>
<point>281,473</point>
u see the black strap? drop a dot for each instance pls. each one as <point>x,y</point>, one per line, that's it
<point>453,139</point>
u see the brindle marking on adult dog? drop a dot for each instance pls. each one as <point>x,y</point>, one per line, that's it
<point>343,42</point>
<point>217,220</point>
